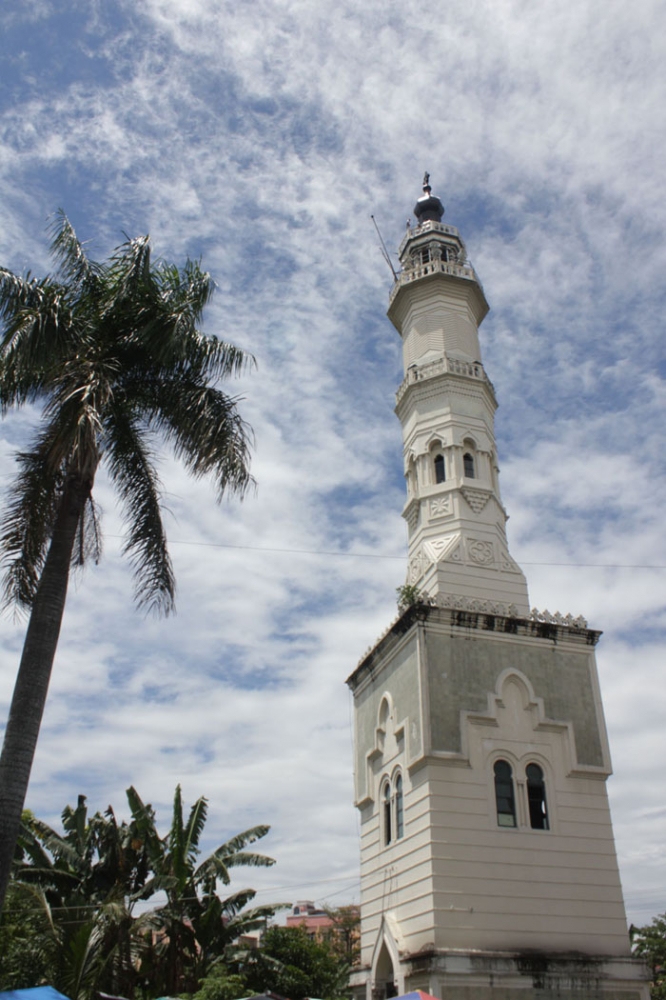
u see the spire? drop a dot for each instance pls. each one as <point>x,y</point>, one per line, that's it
<point>428,208</point>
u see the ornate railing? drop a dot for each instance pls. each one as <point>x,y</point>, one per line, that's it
<point>428,227</point>
<point>410,274</point>
<point>442,366</point>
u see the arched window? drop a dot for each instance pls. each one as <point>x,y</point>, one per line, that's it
<point>536,797</point>
<point>411,478</point>
<point>422,256</point>
<point>399,809</point>
<point>468,463</point>
<point>440,469</point>
<point>504,797</point>
<point>387,814</point>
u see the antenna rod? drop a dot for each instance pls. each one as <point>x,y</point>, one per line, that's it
<point>385,252</point>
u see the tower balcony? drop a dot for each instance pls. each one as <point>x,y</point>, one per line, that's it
<point>408,275</point>
<point>442,366</point>
<point>430,226</point>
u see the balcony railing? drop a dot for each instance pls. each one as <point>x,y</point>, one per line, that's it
<point>442,366</point>
<point>433,267</point>
<point>428,227</point>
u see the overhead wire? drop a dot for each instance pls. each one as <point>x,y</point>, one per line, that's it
<point>402,557</point>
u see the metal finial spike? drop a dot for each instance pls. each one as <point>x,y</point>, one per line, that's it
<point>426,183</point>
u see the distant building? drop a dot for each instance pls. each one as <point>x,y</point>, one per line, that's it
<point>316,922</point>
<point>340,927</point>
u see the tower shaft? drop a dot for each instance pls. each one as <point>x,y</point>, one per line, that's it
<point>446,405</point>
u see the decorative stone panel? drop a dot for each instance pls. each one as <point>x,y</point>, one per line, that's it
<point>477,499</point>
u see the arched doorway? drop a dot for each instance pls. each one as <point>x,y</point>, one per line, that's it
<point>384,984</point>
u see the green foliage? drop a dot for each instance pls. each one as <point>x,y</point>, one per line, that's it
<point>113,352</point>
<point>408,595</point>
<point>114,355</point>
<point>28,951</point>
<point>649,943</point>
<point>73,897</point>
<point>344,937</point>
<point>220,984</point>
<point>290,963</point>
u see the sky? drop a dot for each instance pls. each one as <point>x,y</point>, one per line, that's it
<point>259,136</point>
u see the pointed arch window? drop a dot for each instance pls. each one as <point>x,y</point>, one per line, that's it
<point>536,797</point>
<point>440,469</point>
<point>387,814</point>
<point>399,809</point>
<point>504,794</point>
<point>393,810</point>
<point>468,464</point>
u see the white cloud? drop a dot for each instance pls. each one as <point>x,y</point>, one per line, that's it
<point>262,136</point>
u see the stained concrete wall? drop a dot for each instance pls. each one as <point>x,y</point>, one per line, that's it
<point>463,670</point>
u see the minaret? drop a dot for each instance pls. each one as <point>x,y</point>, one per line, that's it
<point>488,867</point>
<point>446,404</point>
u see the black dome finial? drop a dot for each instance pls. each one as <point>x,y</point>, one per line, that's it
<point>428,208</point>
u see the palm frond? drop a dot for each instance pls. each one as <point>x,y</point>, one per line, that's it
<point>230,855</point>
<point>205,429</point>
<point>31,846</point>
<point>38,331</point>
<point>128,272</point>
<point>75,267</point>
<point>75,824</point>
<point>195,825</point>
<point>254,919</point>
<point>88,542</point>
<point>27,522</point>
<point>176,841</point>
<point>249,860</point>
<point>143,817</point>
<point>241,840</point>
<point>135,478</point>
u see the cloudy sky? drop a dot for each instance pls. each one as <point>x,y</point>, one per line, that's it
<point>260,135</point>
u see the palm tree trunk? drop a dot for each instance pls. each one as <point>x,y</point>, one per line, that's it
<point>32,682</point>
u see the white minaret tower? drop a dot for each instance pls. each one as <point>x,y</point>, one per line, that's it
<point>446,404</point>
<point>488,867</point>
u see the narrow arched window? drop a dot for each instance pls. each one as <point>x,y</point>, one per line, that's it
<point>440,469</point>
<point>387,814</point>
<point>504,797</point>
<point>468,463</point>
<point>399,809</point>
<point>536,797</point>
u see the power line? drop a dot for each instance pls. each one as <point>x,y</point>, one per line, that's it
<point>376,555</point>
<point>146,903</point>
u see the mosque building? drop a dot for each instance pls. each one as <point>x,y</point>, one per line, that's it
<point>488,865</point>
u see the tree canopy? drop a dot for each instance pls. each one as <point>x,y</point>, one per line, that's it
<point>76,914</point>
<point>292,964</point>
<point>649,943</point>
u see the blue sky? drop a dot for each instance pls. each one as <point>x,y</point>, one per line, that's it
<point>260,136</point>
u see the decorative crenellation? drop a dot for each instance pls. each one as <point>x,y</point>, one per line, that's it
<point>442,366</point>
<point>457,602</point>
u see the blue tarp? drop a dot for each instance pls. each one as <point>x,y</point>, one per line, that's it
<point>36,993</point>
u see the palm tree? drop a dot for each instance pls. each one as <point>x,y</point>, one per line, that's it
<point>114,355</point>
